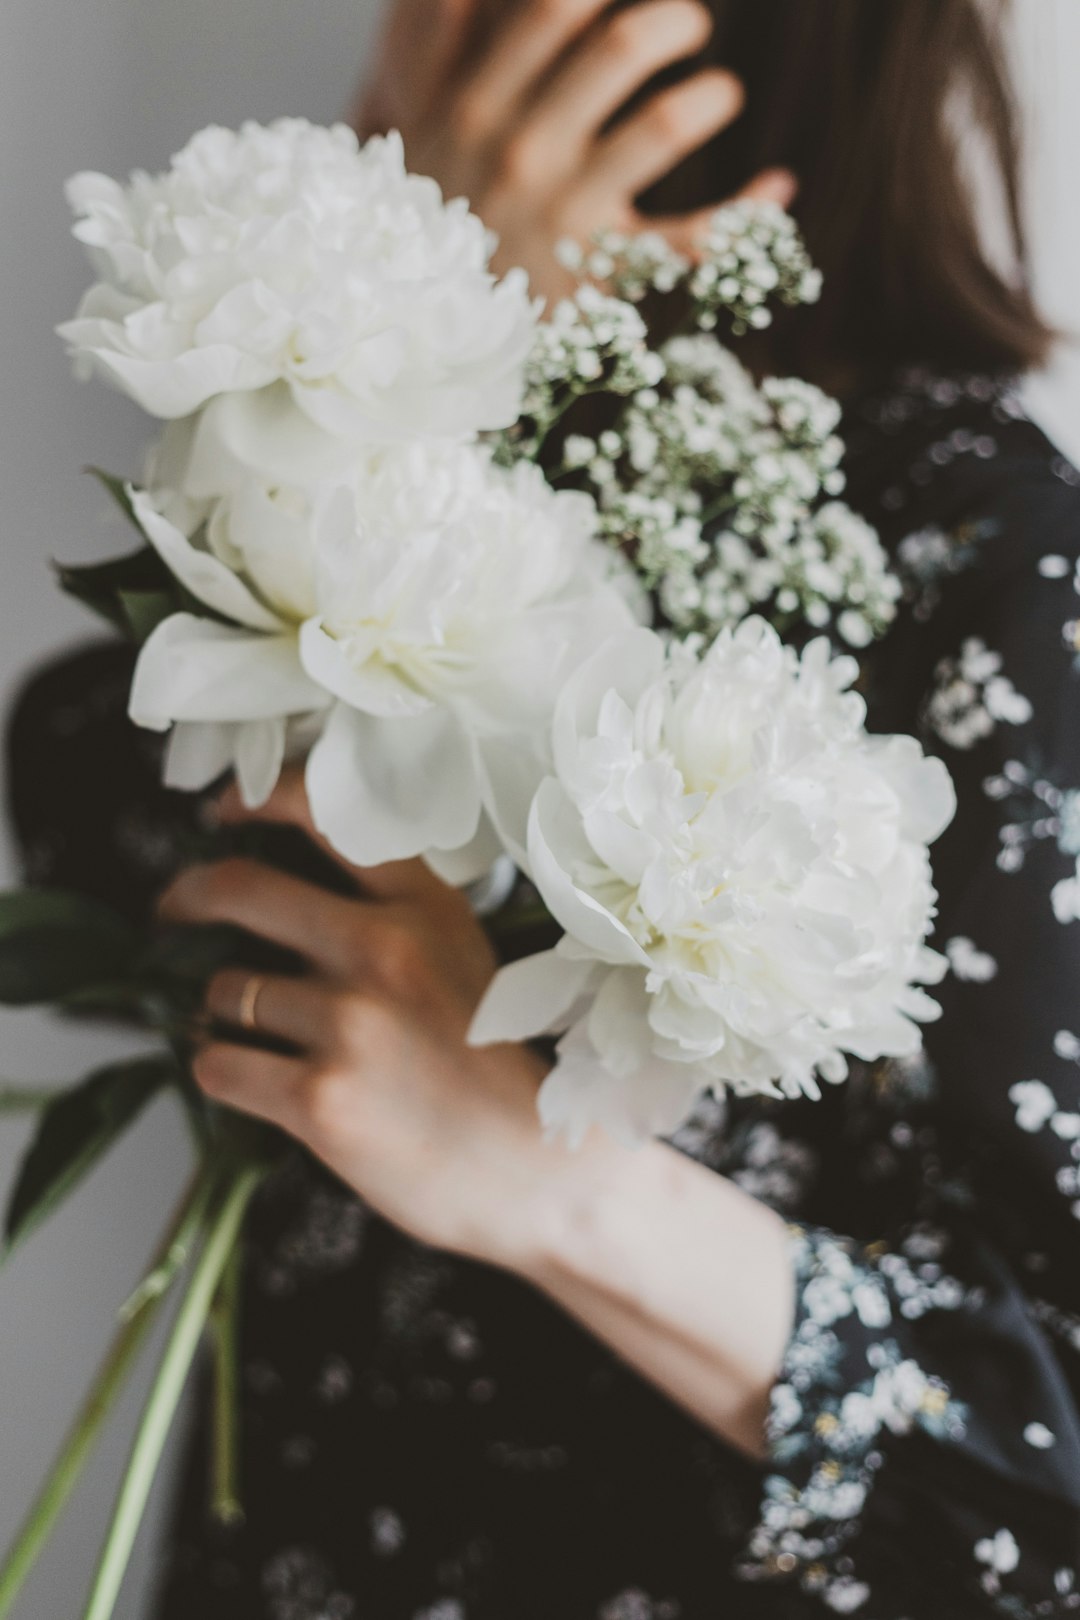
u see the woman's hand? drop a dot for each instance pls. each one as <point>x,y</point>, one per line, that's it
<point>684,1275</point>
<point>440,1137</point>
<point>523,126</point>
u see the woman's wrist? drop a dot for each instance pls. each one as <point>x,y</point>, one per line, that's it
<point>687,1275</point>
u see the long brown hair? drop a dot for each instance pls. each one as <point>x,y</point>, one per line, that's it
<point>859,98</point>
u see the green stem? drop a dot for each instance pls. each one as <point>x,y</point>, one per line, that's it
<point>65,1472</point>
<point>726,503</point>
<point>223,1228</point>
<point>506,924</point>
<point>225,1501</point>
<point>173,1255</point>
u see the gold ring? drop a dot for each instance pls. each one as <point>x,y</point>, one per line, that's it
<point>249,1001</point>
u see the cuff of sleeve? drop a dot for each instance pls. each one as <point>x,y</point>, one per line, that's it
<point>844,1384</point>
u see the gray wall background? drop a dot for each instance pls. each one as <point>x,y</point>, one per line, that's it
<point>111,84</point>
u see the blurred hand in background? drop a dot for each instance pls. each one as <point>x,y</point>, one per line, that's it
<point>541,113</point>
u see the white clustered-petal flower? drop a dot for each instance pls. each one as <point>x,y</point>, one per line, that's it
<point>422,617</point>
<point>288,258</point>
<point>742,874</point>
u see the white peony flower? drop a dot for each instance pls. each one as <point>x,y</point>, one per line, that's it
<point>286,267</point>
<point>422,618</point>
<point>742,875</point>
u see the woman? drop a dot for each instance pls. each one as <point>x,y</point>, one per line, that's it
<point>489,1379</point>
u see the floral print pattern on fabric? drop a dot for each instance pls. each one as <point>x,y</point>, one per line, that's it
<point>838,1394</point>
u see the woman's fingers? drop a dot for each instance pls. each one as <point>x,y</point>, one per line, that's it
<point>524,48</point>
<point>258,1083</point>
<point>274,905</point>
<point>302,1011</point>
<point>649,144</point>
<point>419,44</point>
<point>778,186</point>
<point>288,804</point>
<point>612,64</point>
<point>686,232</point>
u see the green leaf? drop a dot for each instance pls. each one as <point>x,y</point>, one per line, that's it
<point>75,1131</point>
<point>24,1099</point>
<point>102,586</point>
<point>53,944</point>
<point>144,611</point>
<point>116,488</point>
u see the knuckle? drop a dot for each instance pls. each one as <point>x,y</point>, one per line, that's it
<point>400,956</point>
<point>327,1100</point>
<point>521,162</point>
<point>349,1019</point>
<point>470,119</point>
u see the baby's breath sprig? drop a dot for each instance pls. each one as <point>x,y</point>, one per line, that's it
<point>752,254</point>
<point>629,266</point>
<point>722,492</point>
<point>594,343</point>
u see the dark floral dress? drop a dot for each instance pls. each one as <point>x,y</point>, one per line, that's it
<point>427,1439</point>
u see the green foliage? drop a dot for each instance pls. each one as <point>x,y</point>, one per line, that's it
<point>76,1129</point>
<point>54,945</point>
<point>116,590</point>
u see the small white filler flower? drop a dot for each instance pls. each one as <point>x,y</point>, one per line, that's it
<point>742,875</point>
<point>418,622</point>
<point>287,266</point>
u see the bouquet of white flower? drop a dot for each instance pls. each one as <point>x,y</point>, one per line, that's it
<point>383,530</point>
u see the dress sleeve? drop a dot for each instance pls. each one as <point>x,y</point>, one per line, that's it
<point>84,786</point>
<point>924,1436</point>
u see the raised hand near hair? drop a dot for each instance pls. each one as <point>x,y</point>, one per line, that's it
<point>527,126</point>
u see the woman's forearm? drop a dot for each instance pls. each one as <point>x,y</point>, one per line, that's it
<point>685,1276</point>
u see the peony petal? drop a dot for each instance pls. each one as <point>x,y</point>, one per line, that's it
<point>510,773</point>
<point>618,1023</point>
<point>921,783</point>
<point>581,1093</point>
<point>470,863</point>
<point>388,789</point>
<point>195,669</point>
<point>197,753</point>
<point>199,571</point>
<point>371,687</point>
<point>177,387</point>
<point>262,432</point>
<point>554,826</point>
<point>626,664</point>
<point>260,750</point>
<point>531,997</point>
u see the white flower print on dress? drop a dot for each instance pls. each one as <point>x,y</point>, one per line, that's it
<point>1035,1104</point>
<point>968,962</point>
<point>971,697</point>
<point>1000,1554</point>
